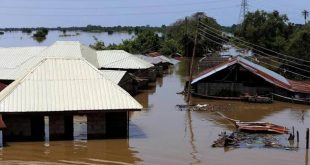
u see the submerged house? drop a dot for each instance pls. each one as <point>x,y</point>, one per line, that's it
<point>165,62</point>
<point>238,76</point>
<point>122,60</point>
<point>58,88</point>
<point>122,78</point>
<point>156,62</point>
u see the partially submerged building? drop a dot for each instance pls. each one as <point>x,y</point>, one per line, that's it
<point>238,77</point>
<point>156,62</point>
<point>165,61</point>
<point>59,88</point>
<point>123,79</point>
<point>122,60</point>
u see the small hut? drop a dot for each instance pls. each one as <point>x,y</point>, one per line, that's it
<point>238,77</point>
<point>58,89</point>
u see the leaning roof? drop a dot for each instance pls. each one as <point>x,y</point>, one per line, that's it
<point>120,59</point>
<point>258,70</point>
<point>64,84</point>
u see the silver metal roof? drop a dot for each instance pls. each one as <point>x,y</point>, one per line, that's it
<point>114,75</point>
<point>120,59</point>
<point>17,61</point>
<point>71,49</point>
<point>149,59</point>
<point>13,59</point>
<point>64,84</point>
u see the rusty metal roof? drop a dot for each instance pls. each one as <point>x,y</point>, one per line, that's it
<point>268,75</point>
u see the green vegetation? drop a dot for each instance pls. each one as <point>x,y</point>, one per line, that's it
<point>176,38</point>
<point>40,34</point>
<point>183,32</point>
<point>26,30</point>
<point>274,32</point>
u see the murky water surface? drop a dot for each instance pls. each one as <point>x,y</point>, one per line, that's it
<point>162,134</point>
<point>16,39</point>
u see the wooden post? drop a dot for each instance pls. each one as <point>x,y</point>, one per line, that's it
<point>297,133</point>
<point>189,87</point>
<point>307,139</point>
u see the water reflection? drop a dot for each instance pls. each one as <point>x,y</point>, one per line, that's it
<point>112,150</point>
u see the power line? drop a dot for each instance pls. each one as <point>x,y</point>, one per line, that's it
<point>276,67</point>
<point>284,55</point>
<point>272,56</point>
<point>269,64</point>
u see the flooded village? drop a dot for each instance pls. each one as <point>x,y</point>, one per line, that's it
<point>189,92</point>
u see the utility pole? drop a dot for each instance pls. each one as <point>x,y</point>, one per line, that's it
<point>189,85</point>
<point>243,10</point>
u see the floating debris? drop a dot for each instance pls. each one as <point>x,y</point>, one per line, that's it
<point>246,140</point>
<point>257,127</point>
<point>204,107</point>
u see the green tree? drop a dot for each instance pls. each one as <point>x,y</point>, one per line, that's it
<point>183,31</point>
<point>269,30</point>
<point>169,46</point>
<point>40,34</point>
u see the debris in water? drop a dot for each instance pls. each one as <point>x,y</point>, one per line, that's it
<point>257,127</point>
<point>204,107</point>
<point>246,140</point>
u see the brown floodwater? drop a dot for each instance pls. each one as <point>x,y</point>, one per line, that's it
<point>162,134</point>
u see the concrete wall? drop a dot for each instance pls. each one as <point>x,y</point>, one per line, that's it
<point>18,126</point>
<point>96,126</point>
<point>56,127</point>
<point>31,127</point>
<point>24,128</point>
<point>117,124</point>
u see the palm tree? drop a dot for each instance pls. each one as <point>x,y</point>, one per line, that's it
<point>305,13</point>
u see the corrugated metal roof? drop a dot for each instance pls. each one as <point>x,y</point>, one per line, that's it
<point>16,56</point>
<point>149,59</point>
<point>64,84</point>
<point>114,75</point>
<point>71,49</point>
<point>210,71</point>
<point>271,73</point>
<point>17,61</point>
<point>12,60</point>
<point>258,70</point>
<point>120,59</point>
